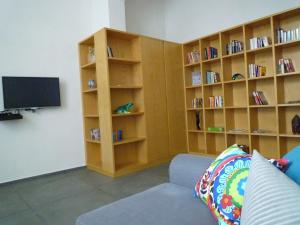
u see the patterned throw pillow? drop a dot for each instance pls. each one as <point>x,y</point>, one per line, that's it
<point>223,184</point>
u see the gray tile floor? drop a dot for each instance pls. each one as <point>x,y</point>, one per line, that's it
<point>60,198</point>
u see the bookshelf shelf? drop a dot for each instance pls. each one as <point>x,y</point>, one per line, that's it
<point>238,54</point>
<point>123,60</point>
<point>196,131</point>
<point>288,74</point>
<point>192,64</point>
<point>89,66</point>
<point>259,50</point>
<point>214,84</point>
<point>128,114</point>
<point>130,140</point>
<point>127,87</point>
<point>289,105</point>
<point>193,86</point>
<point>194,109</point>
<point>211,60</point>
<point>237,133</point>
<point>92,141</point>
<point>240,111</point>
<point>288,44</point>
<point>91,116</point>
<point>131,68</point>
<point>93,90</point>
<point>235,81</point>
<point>262,106</point>
<point>261,78</point>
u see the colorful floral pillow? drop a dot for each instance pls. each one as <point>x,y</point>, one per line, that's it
<point>222,185</point>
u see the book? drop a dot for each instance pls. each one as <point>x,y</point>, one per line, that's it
<point>234,46</point>
<point>196,78</point>
<point>256,70</point>
<point>193,57</point>
<point>210,53</point>
<point>284,36</point>
<point>259,42</point>
<point>109,52</point>
<point>212,77</point>
<point>197,103</point>
<point>285,65</point>
<point>259,98</point>
<point>216,101</point>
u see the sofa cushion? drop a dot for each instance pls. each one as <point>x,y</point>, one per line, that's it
<point>166,204</point>
<point>222,187</point>
<point>270,196</point>
<point>294,168</point>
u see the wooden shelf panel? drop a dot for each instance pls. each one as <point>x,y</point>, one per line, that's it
<point>123,60</point>
<point>91,116</point>
<point>92,141</point>
<point>93,90</point>
<point>127,114</point>
<point>192,64</point>
<point>129,140</point>
<point>89,66</point>
<point>126,87</point>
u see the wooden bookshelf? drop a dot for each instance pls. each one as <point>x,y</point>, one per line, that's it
<point>140,71</point>
<point>241,117</point>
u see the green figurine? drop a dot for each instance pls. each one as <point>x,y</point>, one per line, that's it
<point>125,108</point>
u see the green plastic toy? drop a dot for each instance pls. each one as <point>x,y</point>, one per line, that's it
<point>125,108</point>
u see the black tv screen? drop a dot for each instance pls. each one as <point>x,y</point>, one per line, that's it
<point>30,92</point>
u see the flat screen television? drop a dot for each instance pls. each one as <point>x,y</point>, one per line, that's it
<point>30,92</point>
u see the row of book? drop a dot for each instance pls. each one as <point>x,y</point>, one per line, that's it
<point>259,98</point>
<point>197,103</point>
<point>212,77</point>
<point>193,57</point>
<point>210,53</point>
<point>216,102</point>
<point>259,42</point>
<point>285,65</point>
<point>234,46</point>
<point>109,52</point>
<point>284,36</point>
<point>256,70</point>
<point>196,78</point>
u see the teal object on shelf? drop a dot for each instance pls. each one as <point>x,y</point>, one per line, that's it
<point>293,170</point>
<point>125,108</point>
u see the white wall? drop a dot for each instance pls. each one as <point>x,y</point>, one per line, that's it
<point>146,17</point>
<point>39,38</point>
<point>185,20</point>
<point>117,14</point>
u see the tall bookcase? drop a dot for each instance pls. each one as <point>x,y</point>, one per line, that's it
<point>239,110</point>
<point>138,72</point>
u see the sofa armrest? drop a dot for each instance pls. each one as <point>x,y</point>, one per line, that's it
<point>186,169</point>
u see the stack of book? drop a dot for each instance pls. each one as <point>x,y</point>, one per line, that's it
<point>196,78</point>
<point>193,57</point>
<point>259,98</point>
<point>197,103</point>
<point>256,70</point>
<point>216,102</point>
<point>259,42</point>
<point>285,65</point>
<point>109,52</point>
<point>284,36</point>
<point>234,46</point>
<point>212,77</point>
<point>210,53</point>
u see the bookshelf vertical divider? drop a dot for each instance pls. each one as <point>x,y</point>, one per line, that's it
<point>267,127</point>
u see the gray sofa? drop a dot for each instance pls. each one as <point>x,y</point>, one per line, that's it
<point>170,203</point>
